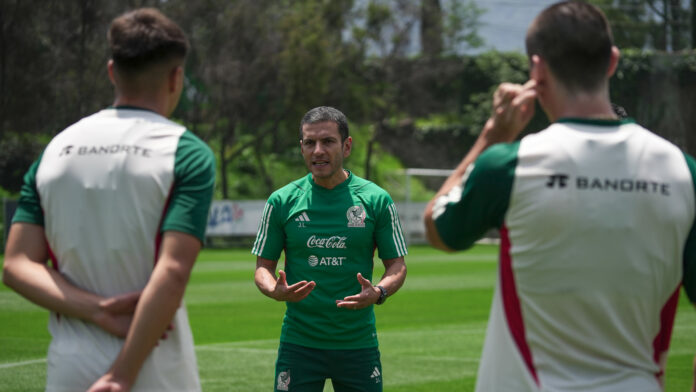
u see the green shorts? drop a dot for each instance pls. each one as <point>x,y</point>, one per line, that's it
<point>304,369</point>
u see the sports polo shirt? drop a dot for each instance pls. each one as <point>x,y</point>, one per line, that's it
<point>104,190</point>
<point>329,235</point>
<point>596,220</point>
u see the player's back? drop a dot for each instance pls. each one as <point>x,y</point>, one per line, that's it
<point>103,184</point>
<point>591,259</point>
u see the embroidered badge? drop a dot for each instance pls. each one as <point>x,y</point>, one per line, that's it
<point>356,216</point>
<point>283,381</point>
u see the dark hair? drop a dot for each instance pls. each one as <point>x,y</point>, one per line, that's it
<point>575,40</point>
<point>323,114</point>
<point>144,37</point>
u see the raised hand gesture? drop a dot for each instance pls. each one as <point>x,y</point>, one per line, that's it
<point>366,297</point>
<point>292,293</point>
<point>513,108</point>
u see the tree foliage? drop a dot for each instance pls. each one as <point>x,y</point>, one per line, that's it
<point>257,66</point>
<point>665,25</point>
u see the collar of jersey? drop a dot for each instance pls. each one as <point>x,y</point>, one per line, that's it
<point>320,188</point>
<point>596,121</point>
<point>129,107</point>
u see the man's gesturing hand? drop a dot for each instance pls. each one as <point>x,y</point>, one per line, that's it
<point>292,293</point>
<point>366,297</point>
<point>513,108</point>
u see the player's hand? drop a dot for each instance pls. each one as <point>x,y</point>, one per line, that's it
<point>293,293</point>
<point>513,108</point>
<point>116,313</point>
<point>107,383</point>
<point>366,297</point>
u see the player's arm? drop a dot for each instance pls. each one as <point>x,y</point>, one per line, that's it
<point>513,108</point>
<point>392,280</point>
<point>277,288</point>
<point>25,271</point>
<point>159,302</point>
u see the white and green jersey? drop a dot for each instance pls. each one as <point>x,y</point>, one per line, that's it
<point>104,190</point>
<point>329,235</point>
<point>596,223</point>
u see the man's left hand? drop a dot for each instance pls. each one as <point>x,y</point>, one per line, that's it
<point>367,296</point>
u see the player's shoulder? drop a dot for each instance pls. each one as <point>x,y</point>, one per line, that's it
<point>191,143</point>
<point>366,188</point>
<point>498,156</point>
<point>292,190</point>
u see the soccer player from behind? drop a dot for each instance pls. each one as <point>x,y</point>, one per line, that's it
<point>329,223</point>
<point>596,218</point>
<point>119,201</point>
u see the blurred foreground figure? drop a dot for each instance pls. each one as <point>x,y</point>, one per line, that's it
<point>119,202</point>
<point>595,216</point>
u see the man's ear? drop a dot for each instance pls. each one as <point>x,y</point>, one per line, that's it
<point>175,78</point>
<point>110,70</point>
<point>613,61</point>
<point>347,146</point>
<point>537,69</point>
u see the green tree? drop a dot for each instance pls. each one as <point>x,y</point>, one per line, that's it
<point>665,25</point>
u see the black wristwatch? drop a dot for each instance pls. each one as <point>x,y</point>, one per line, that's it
<point>382,295</point>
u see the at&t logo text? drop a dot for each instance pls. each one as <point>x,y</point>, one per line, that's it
<point>327,261</point>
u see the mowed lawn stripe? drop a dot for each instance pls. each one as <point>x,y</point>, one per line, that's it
<point>431,333</point>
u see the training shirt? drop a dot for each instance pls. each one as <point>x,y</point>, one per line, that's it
<point>329,235</point>
<point>594,219</point>
<point>104,190</point>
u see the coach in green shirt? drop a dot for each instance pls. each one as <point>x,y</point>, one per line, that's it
<point>329,223</point>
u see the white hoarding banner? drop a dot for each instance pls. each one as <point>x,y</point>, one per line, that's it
<point>234,218</point>
<point>241,218</point>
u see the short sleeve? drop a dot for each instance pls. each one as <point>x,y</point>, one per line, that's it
<point>689,278</point>
<point>388,233</point>
<point>270,237</point>
<point>29,205</point>
<point>194,182</point>
<point>479,204</point>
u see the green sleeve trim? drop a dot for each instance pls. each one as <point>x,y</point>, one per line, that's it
<point>391,242</point>
<point>29,205</point>
<point>270,238</point>
<point>483,201</point>
<point>194,181</point>
<point>689,279</point>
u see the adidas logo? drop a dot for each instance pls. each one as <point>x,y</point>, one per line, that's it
<point>376,375</point>
<point>302,218</point>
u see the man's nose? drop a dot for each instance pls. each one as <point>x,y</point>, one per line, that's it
<point>319,148</point>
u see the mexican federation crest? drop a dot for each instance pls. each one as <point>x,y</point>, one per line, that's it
<point>283,383</point>
<point>356,216</point>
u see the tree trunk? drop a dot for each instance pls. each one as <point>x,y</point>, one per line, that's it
<point>267,179</point>
<point>693,24</point>
<point>370,148</point>
<point>431,28</point>
<point>676,19</point>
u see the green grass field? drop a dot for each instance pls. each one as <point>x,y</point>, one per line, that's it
<point>431,332</point>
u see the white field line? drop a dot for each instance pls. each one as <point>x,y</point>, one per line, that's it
<point>21,363</point>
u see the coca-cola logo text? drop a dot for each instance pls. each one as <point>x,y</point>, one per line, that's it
<point>333,242</point>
